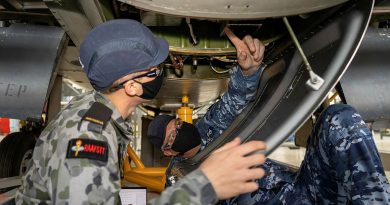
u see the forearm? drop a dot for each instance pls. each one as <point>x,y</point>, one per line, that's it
<point>195,188</point>
<point>241,91</point>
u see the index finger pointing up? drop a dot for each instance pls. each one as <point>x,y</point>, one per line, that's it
<point>233,38</point>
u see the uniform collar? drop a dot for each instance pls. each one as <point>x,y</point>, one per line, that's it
<point>116,117</point>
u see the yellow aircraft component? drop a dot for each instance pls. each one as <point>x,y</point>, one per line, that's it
<point>152,178</point>
<point>185,112</point>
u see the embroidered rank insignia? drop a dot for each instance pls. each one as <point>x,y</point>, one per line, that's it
<point>98,115</point>
<point>87,148</point>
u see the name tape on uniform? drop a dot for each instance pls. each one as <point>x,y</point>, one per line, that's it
<point>87,148</point>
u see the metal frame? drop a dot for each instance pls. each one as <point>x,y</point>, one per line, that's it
<point>366,84</point>
<point>152,178</point>
<point>283,98</point>
<point>34,51</point>
<point>227,9</point>
<point>77,17</point>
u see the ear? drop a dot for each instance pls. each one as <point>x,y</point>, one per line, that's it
<point>132,88</point>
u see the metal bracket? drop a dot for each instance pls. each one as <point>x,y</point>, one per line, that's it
<point>315,82</point>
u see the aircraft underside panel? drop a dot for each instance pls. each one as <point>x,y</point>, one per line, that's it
<point>231,9</point>
<point>283,97</point>
<point>29,55</point>
<point>366,83</point>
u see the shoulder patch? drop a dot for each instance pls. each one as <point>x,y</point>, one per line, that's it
<point>87,148</point>
<point>98,116</point>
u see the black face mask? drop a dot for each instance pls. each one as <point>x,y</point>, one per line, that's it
<point>187,138</point>
<point>151,88</point>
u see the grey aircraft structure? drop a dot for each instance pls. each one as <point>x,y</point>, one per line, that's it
<point>312,48</point>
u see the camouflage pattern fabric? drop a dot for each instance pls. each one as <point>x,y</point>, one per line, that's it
<point>194,189</point>
<point>54,179</point>
<point>241,91</point>
<point>341,166</point>
<point>171,176</point>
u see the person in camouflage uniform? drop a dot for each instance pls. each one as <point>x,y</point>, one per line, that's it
<point>241,91</point>
<point>78,157</point>
<point>52,177</point>
<point>341,165</point>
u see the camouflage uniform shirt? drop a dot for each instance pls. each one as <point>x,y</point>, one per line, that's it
<point>52,178</point>
<point>341,165</point>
